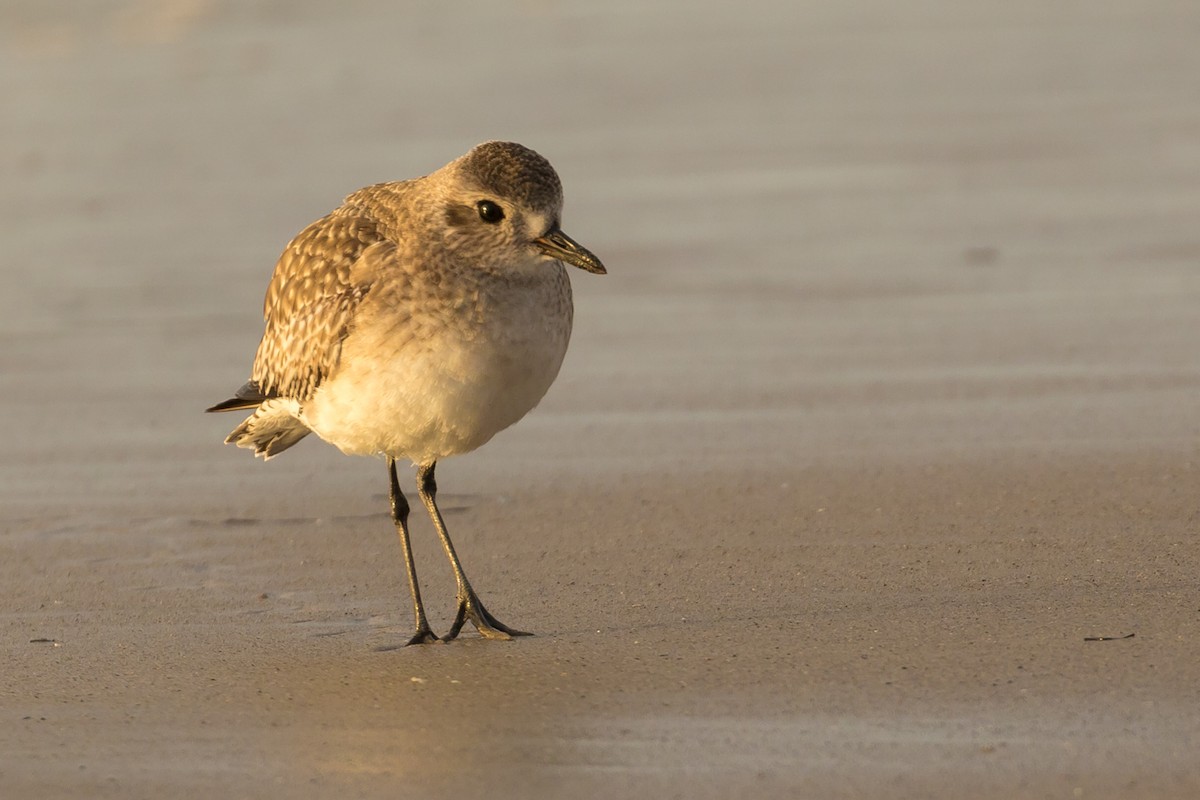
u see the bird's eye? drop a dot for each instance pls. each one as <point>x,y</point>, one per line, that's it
<point>489,212</point>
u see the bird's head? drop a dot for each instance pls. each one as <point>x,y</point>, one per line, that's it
<point>502,205</point>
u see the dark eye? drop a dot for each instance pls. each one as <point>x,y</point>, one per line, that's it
<point>489,211</point>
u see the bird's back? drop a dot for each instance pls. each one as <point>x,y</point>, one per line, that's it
<point>316,288</point>
<point>308,311</point>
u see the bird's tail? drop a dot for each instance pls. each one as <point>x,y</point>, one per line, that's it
<point>270,430</point>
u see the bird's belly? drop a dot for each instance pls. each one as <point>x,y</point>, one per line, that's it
<point>432,399</point>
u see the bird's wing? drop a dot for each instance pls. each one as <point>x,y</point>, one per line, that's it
<point>311,301</point>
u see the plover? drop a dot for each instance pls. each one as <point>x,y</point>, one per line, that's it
<point>415,322</point>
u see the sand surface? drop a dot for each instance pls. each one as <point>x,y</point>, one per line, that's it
<point>887,406</point>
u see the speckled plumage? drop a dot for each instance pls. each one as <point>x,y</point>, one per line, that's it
<point>310,302</point>
<point>416,321</point>
<point>387,286</point>
<point>511,170</point>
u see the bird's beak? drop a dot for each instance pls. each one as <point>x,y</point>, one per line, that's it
<point>557,244</point>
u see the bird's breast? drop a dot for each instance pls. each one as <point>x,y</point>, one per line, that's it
<point>428,377</point>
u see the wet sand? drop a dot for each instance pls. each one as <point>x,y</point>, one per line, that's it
<point>885,413</point>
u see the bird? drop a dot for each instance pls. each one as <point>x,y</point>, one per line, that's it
<point>413,323</point>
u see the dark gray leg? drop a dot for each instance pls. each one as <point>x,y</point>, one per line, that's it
<point>469,606</point>
<point>400,517</point>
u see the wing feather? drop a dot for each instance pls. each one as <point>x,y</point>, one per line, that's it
<point>310,303</point>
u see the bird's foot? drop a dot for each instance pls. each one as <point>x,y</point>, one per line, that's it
<point>471,609</point>
<point>423,636</point>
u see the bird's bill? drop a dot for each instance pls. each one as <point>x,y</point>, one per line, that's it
<point>557,244</point>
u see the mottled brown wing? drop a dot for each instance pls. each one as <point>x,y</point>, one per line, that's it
<point>310,303</point>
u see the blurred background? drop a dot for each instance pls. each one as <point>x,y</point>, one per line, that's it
<point>833,230</point>
<point>889,400</point>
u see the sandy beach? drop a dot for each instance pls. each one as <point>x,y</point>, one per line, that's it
<point>871,470</point>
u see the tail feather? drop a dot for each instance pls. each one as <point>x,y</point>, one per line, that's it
<point>249,396</point>
<point>270,430</point>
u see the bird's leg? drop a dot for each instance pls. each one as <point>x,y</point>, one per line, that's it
<point>469,605</point>
<point>400,518</point>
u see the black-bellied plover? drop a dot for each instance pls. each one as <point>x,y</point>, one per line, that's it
<point>415,322</point>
